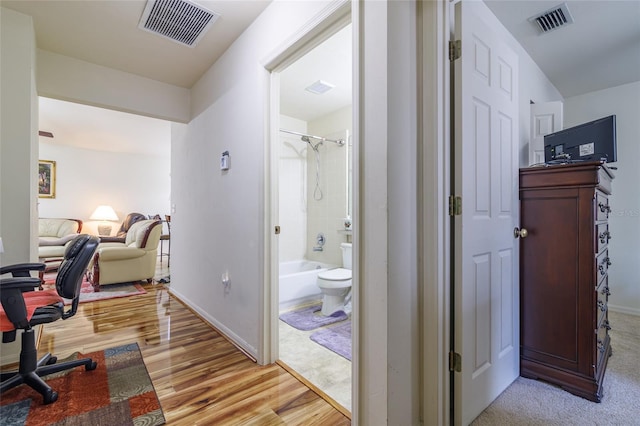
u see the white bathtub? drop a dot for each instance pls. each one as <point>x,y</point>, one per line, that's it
<point>298,281</point>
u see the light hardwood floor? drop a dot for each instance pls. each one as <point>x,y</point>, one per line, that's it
<point>200,378</point>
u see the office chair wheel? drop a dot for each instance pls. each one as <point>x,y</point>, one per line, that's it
<point>50,396</point>
<point>52,360</point>
<point>92,366</point>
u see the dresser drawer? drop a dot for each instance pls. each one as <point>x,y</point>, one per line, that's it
<point>602,341</point>
<point>602,206</point>
<point>602,299</point>
<point>602,236</point>
<point>602,265</point>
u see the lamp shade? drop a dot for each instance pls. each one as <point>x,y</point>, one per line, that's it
<point>104,213</point>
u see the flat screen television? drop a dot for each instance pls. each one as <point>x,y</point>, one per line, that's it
<point>592,141</point>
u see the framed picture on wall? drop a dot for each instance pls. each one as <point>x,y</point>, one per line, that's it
<point>46,179</point>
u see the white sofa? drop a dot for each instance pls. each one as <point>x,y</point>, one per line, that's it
<point>133,260</point>
<point>54,236</point>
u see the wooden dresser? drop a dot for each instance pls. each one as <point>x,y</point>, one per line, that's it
<point>563,276</point>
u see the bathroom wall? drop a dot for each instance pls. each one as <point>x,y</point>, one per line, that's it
<point>292,209</point>
<point>327,214</point>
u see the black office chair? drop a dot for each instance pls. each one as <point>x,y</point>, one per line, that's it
<point>23,308</point>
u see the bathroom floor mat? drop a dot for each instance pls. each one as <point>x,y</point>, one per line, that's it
<point>336,338</point>
<point>309,317</point>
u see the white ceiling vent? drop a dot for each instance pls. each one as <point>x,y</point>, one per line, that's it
<point>179,20</point>
<point>319,87</point>
<point>553,18</point>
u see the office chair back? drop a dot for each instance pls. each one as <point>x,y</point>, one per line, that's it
<point>73,268</point>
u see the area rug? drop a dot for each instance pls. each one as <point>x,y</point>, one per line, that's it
<point>309,317</point>
<point>118,392</point>
<point>87,293</point>
<point>336,339</point>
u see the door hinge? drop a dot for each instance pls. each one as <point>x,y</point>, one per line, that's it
<point>455,49</point>
<point>455,205</point>
<point>455,362</point>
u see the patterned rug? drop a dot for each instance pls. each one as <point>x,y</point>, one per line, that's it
<point>87,294</point>
<point>309,317</point>
<point>118,392</point>
<point>336,339</point>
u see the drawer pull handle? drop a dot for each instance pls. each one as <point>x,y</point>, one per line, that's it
<point>602,268</point>
<point>604,208</point>
<point>605,237</point>
<point>602,306</point>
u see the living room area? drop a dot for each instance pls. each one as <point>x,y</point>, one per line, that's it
<point>103,157</point>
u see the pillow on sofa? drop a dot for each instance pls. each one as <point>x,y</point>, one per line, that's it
<point>50,241</point>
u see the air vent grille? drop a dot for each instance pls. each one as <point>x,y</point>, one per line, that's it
<point>179,20</point>
<point>553,18</point>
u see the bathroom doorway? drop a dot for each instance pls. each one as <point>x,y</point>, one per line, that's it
<point>313,156</point>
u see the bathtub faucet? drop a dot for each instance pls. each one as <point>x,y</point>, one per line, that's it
<point>320,241</point>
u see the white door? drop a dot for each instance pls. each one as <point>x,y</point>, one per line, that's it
<point>486,177</point>
<point>545,118</point>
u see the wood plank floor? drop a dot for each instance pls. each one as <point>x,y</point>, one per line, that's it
<point>200,378</point>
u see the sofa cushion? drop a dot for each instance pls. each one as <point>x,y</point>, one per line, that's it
<point>57,227</point>
<point>55,241</point>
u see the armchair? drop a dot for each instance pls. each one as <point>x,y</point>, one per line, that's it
<point>23,308</point>
<point>133,260</point>
<point>54,236</point>
<point>121,236</point>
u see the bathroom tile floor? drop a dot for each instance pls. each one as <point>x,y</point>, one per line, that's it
<point>325,369</point>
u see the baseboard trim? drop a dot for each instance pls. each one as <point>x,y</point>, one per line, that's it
<point>623,309</point>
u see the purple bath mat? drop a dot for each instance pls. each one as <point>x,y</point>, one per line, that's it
<point>336,339</point>
<point>309,317</point>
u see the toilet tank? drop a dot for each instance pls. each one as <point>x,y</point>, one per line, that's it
<point>346,255</point>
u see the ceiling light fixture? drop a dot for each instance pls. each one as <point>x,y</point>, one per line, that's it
<point>319,87</point>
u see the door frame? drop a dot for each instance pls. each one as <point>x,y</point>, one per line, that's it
<point>434,185</point>
<point>327,22</point>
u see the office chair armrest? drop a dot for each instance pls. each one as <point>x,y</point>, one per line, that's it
<point>20,283</point>
<point>13,303</point>
<point>22,269</point>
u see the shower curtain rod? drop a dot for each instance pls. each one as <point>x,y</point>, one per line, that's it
<point>320,138</point>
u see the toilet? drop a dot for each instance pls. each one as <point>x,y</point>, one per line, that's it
<point>335,284</point>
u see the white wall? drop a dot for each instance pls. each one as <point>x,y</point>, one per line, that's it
<point>70,79</point>
<point>533,85</point>
<point>327,215</point>
<point>624,221</point>
<point>230,102</point>
<point>18,140</point>
<point>231,105</point>
<point>293,194</point>
<point>88,178</point>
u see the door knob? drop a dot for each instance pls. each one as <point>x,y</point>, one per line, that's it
<point>520,233</point>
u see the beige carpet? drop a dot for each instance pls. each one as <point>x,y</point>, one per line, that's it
<point>532,402</point>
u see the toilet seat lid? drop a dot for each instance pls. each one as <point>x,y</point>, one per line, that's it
<point>338,274</point>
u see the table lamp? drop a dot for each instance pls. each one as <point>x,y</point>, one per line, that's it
<point>104,214</point>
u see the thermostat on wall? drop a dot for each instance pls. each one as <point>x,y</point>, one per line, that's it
<point>224,161</point>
